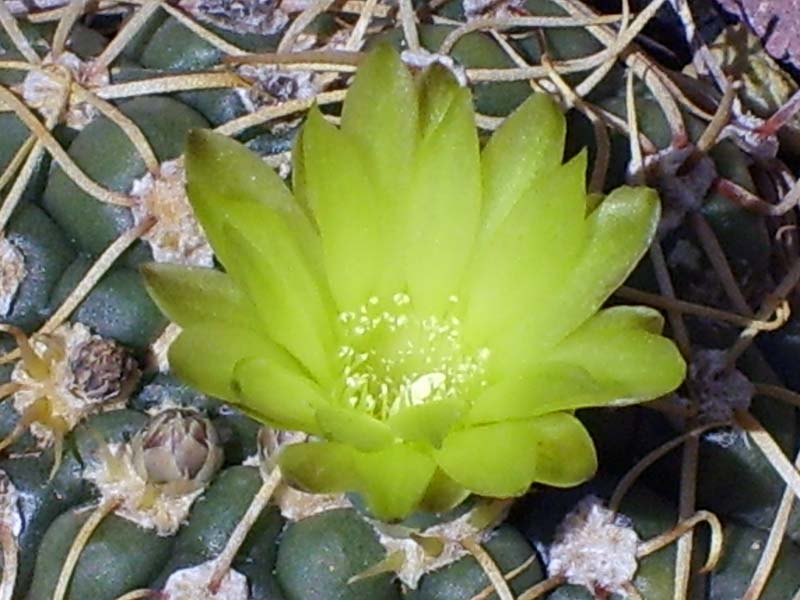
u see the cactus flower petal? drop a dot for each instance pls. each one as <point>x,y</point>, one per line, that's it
<point>525,259</point>
<point>195,294</point>
<point>618,233</point>
<point>220,168</point>
<point>534,136</point>
<point>444,205</point>
<point>551,387</point>
<point>347,209</point>
<point>287,301</point>
<point>609,345</point>
<point>442,493</point>
<point>277,391</point>
<point>380,117</point>
<point>205,355</point>
<point>350,426</point>
<point>392,480</point>
<point>521,452</point>
<point>428,423</point>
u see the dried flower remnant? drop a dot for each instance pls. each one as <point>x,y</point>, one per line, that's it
<point>406,368</point>
<point>66,376</point>
<point>719,392</point>
<point>272,87</point>
<point>269,85</point>
<point>12,273</point>
<point>101,369</point>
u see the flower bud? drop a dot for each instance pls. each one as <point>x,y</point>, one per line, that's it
<point>177,445</point>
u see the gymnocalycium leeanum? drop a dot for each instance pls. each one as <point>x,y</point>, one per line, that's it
<point>428,311</point>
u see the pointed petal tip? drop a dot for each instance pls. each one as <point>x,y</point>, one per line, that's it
<point>204,148</point>
<point>542,108</point>
<point>314,115</point>
<point>198,140</point>
<point>436,74</point>
<point>151,277</point>
<point>382,54</point>
<point>154,273</point>
<point>148,271</point>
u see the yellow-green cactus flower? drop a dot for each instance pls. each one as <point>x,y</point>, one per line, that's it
<point>428,311</point>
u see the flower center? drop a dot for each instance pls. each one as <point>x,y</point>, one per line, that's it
<point>392,357</point>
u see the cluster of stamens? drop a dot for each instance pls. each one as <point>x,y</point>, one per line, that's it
<point>394,358</point>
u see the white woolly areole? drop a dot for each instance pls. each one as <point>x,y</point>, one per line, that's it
<point>296,6</point>
<point>264,17</point>
<point>64,387</point>
<point>45,89</point>
<point>720,391</point>
<point>12,272</point>
<point>498,9</point>
<point>421,59</point>
<point>416,561</point>
<point>594,547</point>
<point>143,503</point>
<point>270,85</point>
<point>192,584</point>
<point>176,236</point>
<point>10,514</point>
